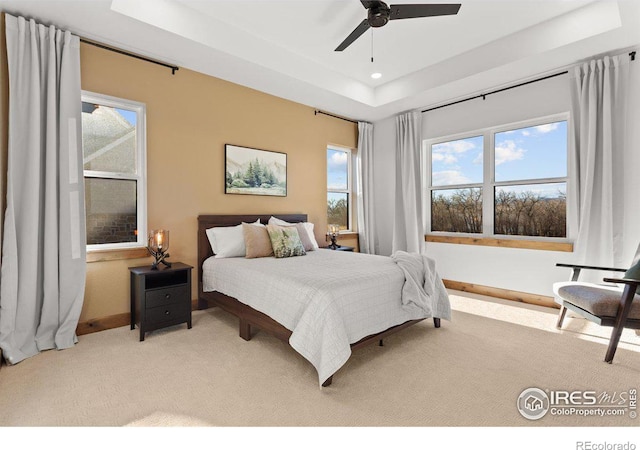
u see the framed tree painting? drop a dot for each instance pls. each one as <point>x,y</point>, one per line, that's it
<point>252,171</point>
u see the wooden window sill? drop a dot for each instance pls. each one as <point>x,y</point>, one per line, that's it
<point>502,242</point>
<point>115,254</point>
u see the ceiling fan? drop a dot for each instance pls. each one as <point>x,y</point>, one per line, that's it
<point>379,14</point>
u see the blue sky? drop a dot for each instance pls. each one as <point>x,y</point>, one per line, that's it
<point>520,154</point>
<point>337,169</point>
<point>130,116</point>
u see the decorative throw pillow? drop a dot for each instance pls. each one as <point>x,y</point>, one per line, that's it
<point>307,225</point>
<point>285,241</point>
<point>257,241</point>
<point>228,242</point>
<point>634,272</point>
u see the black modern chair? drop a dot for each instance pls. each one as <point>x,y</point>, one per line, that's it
<point>615,304</point>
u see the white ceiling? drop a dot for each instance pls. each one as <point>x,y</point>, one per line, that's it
<point>286,47</point>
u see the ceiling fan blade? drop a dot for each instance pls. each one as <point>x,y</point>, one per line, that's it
<point>370,3</point>
<point>411,11</point>
<point>355,34</point>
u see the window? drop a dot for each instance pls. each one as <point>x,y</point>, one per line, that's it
<point>456,197</point>
<point>509,181</point>
<point>339,187</point>
<point>114,148</point>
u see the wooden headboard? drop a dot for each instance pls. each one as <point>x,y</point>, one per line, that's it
<point>206,221</point>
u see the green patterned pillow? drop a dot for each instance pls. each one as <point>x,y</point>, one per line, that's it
<point>634,272</point>
<point>285,241</point>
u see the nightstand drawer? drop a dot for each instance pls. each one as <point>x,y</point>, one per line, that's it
<point>166,296</point>
<point>175,312</point>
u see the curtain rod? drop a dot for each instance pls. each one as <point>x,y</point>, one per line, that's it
<point>133,55</point>
<point>632,55</point>
<point>317,111</point>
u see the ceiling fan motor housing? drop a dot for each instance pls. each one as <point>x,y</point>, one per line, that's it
<point>378,15</point>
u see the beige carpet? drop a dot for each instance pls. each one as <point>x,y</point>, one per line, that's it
<point>470,373</point>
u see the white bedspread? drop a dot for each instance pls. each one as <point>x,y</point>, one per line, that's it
<point>328,299</point>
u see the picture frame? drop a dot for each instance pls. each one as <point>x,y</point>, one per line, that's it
<point>253,171</point>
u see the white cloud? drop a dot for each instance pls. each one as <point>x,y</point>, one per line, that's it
<point>448,152</point>
<point>460,146</point>
<point>338,161</point>
<point>508,151</point>
<point>339,157</point>
<point>445,158</point>
<point>540,129</point>
<point>449,177</point>
<point>546,128</point>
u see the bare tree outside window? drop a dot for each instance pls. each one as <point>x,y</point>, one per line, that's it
<point>458,210</point>
<point>531,210</point>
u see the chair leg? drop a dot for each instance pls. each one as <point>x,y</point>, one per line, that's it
<point>621,319</point>
<point>563,312</point>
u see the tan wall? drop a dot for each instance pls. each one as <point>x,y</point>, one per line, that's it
<point>190,117</point>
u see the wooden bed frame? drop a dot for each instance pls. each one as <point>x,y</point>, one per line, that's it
<point>248,317</point>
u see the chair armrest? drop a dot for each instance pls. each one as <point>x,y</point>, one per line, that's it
<point>627,281</point>
<point>577,266</point>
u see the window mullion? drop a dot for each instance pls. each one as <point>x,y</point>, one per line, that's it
<point>487,185</point>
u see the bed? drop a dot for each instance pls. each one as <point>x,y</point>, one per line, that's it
<point>324,304</point>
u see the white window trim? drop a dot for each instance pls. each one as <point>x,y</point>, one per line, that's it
<point>141,166</point>
<point>349,190</point>
<point>488,183</point>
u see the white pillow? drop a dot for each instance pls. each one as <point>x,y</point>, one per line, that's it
<point>307,225</point>
<point>228,242</point>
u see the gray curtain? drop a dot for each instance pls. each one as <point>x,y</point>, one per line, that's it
<point>43,249</point>
<point>367,241</point>
<point>598,113</point>
<point>408,229</point>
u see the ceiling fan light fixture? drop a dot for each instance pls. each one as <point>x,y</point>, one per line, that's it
<point>378,15</point>
<point>376,75</point>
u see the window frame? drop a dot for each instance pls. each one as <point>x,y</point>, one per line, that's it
<point>488,184</point>
<point>140,175</point>
<point>349,190</point>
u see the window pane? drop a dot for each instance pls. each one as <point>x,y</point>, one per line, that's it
<point>108,138</point>
<point>337,169</point>
<point>338,209</point>
<point>111,210</point>
<point>457,162</point>
<point>457,210</point>
<point>532,152</point>
<point>531,210</point>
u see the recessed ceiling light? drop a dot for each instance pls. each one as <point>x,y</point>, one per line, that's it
<point>376,75</point>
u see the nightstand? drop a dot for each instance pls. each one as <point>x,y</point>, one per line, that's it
<point>341,248</point>
<point>160,298</point>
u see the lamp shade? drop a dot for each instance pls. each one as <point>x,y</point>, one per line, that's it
<point>159,240</point>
